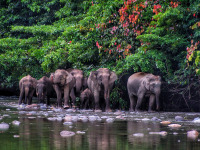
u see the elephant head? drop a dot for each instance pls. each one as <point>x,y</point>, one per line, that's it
<point>78,75</point>
<point>41,89</point>
<point>61,77</point>
<point>152,83</point>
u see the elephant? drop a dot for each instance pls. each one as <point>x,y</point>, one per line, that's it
<point>79,82</point>
<point>63,83</point>
<point>44,89</point>
<point>86,99</point>
<point>140,85</point>
<point>27,87</point>
<point>100,83</point>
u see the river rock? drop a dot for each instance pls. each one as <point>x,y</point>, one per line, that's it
<point>179,118</point>
<point>67,133</point>
<point>155,119</point>
<point>52,118</point>
<point>83,119</point>
<point>192,134</point>
<point>174,126</point>
<point>163,133</point>
<point>110,120</point>
<point>138,134</point>
<point>74,118</point>
<point>16,123</point>
<point>68,123</point>
<point>4,126</point>
<point>165,122</point>
<point>68,118</point>
<point>196,120</point>
<point>80,132</point>
<point>92,118</point>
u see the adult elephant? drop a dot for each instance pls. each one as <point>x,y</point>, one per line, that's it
<point>79,82</point>
<point>100,83</point>
<point>63,82</point>
<point>142,85</point>
<point>44,89</point>
<point>27,87</point>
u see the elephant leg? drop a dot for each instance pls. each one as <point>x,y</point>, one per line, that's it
<point>30,97</point>
<point>66,97</point>
<point>86,103</point>
<point>132,102</point>
<point>21,96</point>
<point>73,97</point>
<point>58,94</point>
<point>151,102</point>
<point>139,102</point>
<point>96,100</point>
<point>108,109</point>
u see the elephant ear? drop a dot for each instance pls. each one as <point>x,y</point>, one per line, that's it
<point>113,77</point>
<point>93,76</point>
<point>68,78</point>
<point>146,82</point>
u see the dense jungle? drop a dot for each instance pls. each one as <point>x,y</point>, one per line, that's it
<point>161,37</point>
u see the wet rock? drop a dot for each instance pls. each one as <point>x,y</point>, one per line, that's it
<point>104,117</point>
<point>68,118</point>
<point>163,133</point>
<point>110,120</point>
<point>6,115</point>
<point>16,136</point>
<point>32,106</point>
<point>196,120</point>
<point>74,118</point>
<point>165,122</point>
<point>59,118</point>
<point>174,126</point>
<point>138,134</point>
<point>16,123</point>
<point>68,123</point>
<point>92,118</point>
<point>179,118</point>
<point>31,117</point>
<point>4,126</point>
<point>120,117</point>
<point>145,119</point>
<point>98,111</point>
<point>192,134</point>
<point>155,119</point>
<point>83,119</point>
<point>52,118</point>
<point>80,132</point>
<point>67,133</point>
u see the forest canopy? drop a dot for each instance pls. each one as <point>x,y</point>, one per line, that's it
<point>160,37</point>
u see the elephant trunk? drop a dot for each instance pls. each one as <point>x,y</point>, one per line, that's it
<point>40,95</point>
<point>26,94</point>
<point>107,97</point>
<point>157,101</point>
<point>79,84</point>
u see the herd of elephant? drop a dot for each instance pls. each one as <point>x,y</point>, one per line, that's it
<point>94,91</point>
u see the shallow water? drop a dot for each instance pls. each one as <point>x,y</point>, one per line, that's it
<point>128,131</point>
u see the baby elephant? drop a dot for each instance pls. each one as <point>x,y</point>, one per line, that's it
<point>86,99</point>
<point>141,85</point>
<point>27,87</point>
<point>44,89</point>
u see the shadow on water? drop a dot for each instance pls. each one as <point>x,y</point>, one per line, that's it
<point>128,131</point>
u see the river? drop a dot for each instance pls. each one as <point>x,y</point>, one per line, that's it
<point>120,130</point>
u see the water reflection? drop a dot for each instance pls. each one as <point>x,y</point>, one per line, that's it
<point>37,132</point>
